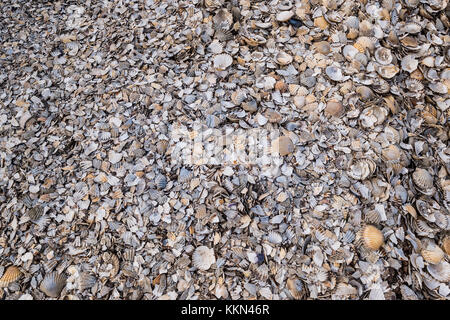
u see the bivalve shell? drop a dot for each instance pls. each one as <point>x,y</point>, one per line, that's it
<point>424,181</point>
<point>52,284</point>
<point>203,257</point>
<point>222,61</point>
<point>10,275</point>
<point>372,237</point>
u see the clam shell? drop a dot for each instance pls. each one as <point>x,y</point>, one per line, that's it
<point>160,181</point>
<point>282,58</point>
<point>407,293</point>
<point>372,237</point>
<point>283,145</point>
<point>203,257</point>
<point>372,216</point>
<point>11,274</point>
<point>49,265</point>
<point>274,237</point>
<point>335,74</point>
<point>409,63</point>
<point>52,284</point>
<point>387,71</point>
<point>284,15</point>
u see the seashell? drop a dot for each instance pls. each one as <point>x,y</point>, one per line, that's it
<point>373,116</point>
<point>263,272</point>
<point>407,293</point>
<point>161,146</point>
<point>283,145</point>
<point>424,181</point>
<point>49,265</point>
<point>371,237</point>
<point>185,175</point>
<point>424,209</point>
<point>362,169</point>
<point>86,281</point>
<point>285,5</point>
<point>438,87</point>
<point>334,108</point>
<point>365,93</point>
<point>296,288</point>
<point>365,43</point>
<point>440,271</point>
<point>383,56</point>
<point>11,274</point>
<point>391,153</point>
<point>237,97</point>
<point>409,63</point>
<point>35,213</point>
<point>282,58</point>
<point>335,74</point>
<point>52,284</point>
<point>349,52</point>
<point>274,237</point>
<point>222,61</point>
<point>160,181</point>
<point>446,244</point>
<point>223,20</point>
<point>387,71</point>
<point>284,16</point>
<point>372,216</point>
<point>432,253</point>
<point>203,257</point>
<point>322,47</point>
<point>321,22</point>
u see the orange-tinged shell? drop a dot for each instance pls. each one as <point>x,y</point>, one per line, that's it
<point>11,274</point>
<point>432,254</point>
<point>446,244</point>
<point>372,237</point>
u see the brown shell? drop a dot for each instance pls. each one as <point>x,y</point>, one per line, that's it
<point>372,237</point>
<point>446,244</point>
<point>432,254</point>
<point>10,275</point>
<point>292,285</point>
<point>423,180</point>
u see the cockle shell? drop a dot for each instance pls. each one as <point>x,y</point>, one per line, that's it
<point>335,74</point>
<point>362,169</point>
<point>432,253</point>
<point>424,181</point>
<point>409,63</point>
<point>203,257</point>
<point>282,58</point>
<point>86,281</point>
<point>387,71</point>
<point>334,108</point>
<point>440,271</point>
<point>10,275</point>
<point>222,61</point>
<point>52,284</point>
<point>295,287</point>
<point>371,237</point>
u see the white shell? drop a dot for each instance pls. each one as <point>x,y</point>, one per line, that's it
<point>203,257</point>
<point>222,61</point>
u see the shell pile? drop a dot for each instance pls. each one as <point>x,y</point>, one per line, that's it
<point>110,111</point>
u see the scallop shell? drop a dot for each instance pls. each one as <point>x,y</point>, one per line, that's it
<point>35,213</point>
<point>52,284</point>
<point>223,20</point>
<point>391,153</point>
<point>387,71</point>
<point>432,253</point>
<point>371,237</point>
<point>11,274</point>
<point>349,52</point>
<point>424,181</point>
<point>86,281</point>
<point>440,271</point>
<point>203,257</point>
<point>222,61</point>
<point>362,169</point>
<point>160,181</point>
<point>446,244</point>
<point>49,265</point>
<point>383,56</point>
<point>372,216</point>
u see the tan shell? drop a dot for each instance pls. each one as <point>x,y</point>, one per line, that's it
<point>334,108</point>
<point>283,145</point>
<point>321,22</point>
<point>387,71</point>
<point>372,237</point>
<point>391,153</point>
<point>432,253</point>
<point>440,271</point>
<point>282,58</point>
<point>293,287</point>
<point>446,244</point>
<point>10,275</point>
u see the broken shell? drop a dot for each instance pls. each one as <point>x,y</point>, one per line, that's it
<point>10,275</point>
<point>284,15</point>
<point>52,284</point>
<point>87,280</point>
<point>372,237</point>
<point>283,58</point>
<point>446,244</point>
<point>335,74</point>
<point>203,257</point>
<point>409,63</point>
<point>440,271</point>
<point>295,287</point>
<point>387,71</point>
<point>362,169</point>
<point>222,61</point>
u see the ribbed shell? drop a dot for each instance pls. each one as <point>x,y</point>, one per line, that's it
<point>440,271</point>
<point>52,284</point>
<point>36,212</point>
<point>87,281</point>
<point>372,237</point>
<point>432,253</point>
<point>423,180</point>
<point>203,257</point>
<point>446,244</point>
<point>295,287</point>
<point>10,275</point>
<point>49,265</point>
